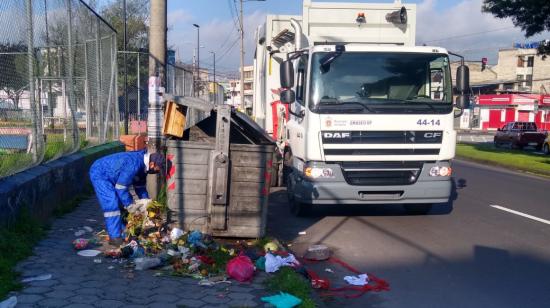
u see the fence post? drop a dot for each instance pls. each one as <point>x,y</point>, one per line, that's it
<point>87,105</point>
<point>36,150</point>
<point>72,104</point>
<point>138,90</point>
<point>100,124</point>
<point>116,116</point>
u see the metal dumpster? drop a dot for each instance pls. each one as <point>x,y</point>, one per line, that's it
<point>201,196</point>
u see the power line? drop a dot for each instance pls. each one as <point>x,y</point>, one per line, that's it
<point>468,35</point>
<point>228,50</point>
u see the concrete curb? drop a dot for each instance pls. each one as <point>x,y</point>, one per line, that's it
<point>39,190</point>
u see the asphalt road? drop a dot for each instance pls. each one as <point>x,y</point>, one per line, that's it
<point>467,253</point>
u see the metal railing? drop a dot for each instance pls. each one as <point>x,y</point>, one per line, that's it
<point>58,87</point>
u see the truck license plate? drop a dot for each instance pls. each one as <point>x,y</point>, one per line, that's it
<point>532,143</point>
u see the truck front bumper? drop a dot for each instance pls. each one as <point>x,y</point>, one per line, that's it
<point>337,191</point>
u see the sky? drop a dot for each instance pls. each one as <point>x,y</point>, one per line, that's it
<point>458,25</point>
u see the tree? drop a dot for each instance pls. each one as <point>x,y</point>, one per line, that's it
<point>532,16</point>
<point>137,16</point>
<point>13,64</point>
<point>137,24</point>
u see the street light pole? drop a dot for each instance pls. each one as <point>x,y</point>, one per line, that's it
<point>198,58</point>
<point>215,86</point>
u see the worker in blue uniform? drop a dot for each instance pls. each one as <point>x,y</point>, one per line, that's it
<point>112,176</point>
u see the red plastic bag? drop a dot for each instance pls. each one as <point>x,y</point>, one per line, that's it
<point>240,268</point>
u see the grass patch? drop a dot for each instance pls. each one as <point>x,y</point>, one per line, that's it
<point>287,280</point>
<point>55,147</point>
<point>16,244</point>
<point>512,159</point>
<point>10,162</point>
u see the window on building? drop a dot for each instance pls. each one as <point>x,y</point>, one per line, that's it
<point>248,86</point>
<point>521,61</point>
<point>247,74</point>
<point>529,80</point>
<point>530,61</point>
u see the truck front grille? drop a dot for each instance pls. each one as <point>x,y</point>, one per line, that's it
<point>381,173</point>
<point>381,151</point>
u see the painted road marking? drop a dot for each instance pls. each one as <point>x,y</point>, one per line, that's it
<point>520,214</point>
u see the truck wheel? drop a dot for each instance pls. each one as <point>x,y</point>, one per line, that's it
<point>546,149</point>
<point>418,209</point>
<point>296,208</point>
<point>496,144</point>
<point>286,168</point>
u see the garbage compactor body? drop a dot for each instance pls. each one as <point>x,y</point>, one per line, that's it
<point>191,177</point>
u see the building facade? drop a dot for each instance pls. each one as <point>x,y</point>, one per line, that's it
<point>234,90</point>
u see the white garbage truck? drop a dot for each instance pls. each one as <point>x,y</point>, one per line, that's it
<point>361,114</point>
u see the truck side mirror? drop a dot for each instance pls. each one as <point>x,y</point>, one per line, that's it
<point>287,96</point>
<point>462,79</point>
<point>287,74</point>
<point>463,87</point>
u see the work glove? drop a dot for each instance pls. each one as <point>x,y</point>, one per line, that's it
<point>140,206</point>
<point>143,204</point>
<point>133,208</point>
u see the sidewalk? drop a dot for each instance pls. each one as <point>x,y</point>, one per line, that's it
<point>80,282</point>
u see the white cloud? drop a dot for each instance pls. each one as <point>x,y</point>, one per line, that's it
<point>178,16</point>
<point>220,36</point>
<point>450,28</point>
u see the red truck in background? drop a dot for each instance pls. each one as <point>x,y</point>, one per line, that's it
<point>517,135</point>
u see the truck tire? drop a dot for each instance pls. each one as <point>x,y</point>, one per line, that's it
<point>296,208</point>
<point>538,147</point>
<point>418,209</point>
<point>546,149</point>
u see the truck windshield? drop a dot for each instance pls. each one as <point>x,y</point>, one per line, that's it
<point>381,82</point>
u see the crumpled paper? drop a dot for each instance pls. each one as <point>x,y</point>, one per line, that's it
<point>360,280</point>
<point>273,263</point>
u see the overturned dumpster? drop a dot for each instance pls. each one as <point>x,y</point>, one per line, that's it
<point>219,175</point>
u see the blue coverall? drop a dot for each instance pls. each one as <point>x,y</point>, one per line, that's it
<point>111,177</point>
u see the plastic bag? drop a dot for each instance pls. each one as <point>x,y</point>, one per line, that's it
<point>240,268</point>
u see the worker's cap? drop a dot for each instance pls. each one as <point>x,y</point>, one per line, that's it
<point>158,160</point>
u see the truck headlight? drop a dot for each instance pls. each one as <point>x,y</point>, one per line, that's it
<point>318,172</point>
<point>441,171</point>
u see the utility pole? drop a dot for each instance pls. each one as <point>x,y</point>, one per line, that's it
<point>157,82</point>
<point>242,56</point>
<point>214,85</point>
<point>125,48</point>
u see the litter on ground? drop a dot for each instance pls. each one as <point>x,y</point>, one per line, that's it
<point>37,278</point>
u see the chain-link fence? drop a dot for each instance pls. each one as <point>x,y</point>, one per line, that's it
<point>180,81</point>
<point>57,81</point>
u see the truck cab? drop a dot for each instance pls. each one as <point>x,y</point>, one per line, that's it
<point>370,117</point>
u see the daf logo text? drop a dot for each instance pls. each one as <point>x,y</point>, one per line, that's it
<point>337,135</point>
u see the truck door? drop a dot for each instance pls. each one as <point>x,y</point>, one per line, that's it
<point>296,124</point>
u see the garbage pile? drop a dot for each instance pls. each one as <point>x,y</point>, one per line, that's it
<point>151,243</point>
